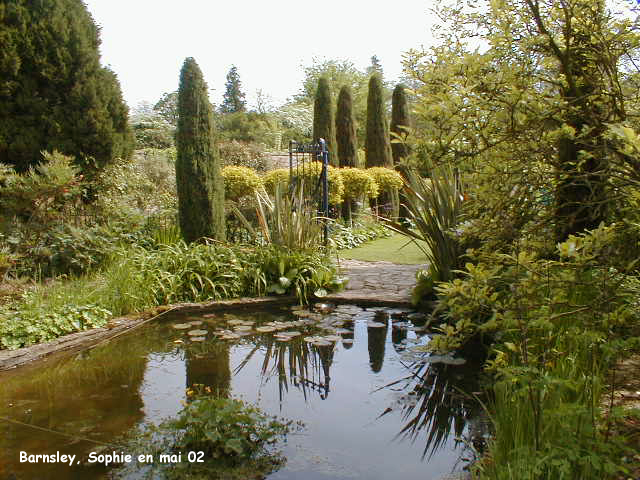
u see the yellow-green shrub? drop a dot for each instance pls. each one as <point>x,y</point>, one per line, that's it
<point>279,176</point>
<point>358,183</point>
<point>240,181</point>
<point>386,178</point>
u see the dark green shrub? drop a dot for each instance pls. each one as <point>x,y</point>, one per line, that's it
<point>54,95</point>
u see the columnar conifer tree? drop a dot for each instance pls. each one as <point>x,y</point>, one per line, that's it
<point>198,177</point>
<point>346,129</point>
<point>399,119</point>
<point>377,146</point>
<point>323,119</point>
<point>54,95</point>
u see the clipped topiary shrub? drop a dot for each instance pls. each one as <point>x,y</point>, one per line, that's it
<point>387,179</point>
<point>240,182</point>
<point>358,183</point>
<point>279,176</point>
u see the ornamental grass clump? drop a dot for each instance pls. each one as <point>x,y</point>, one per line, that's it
<point>434,207</point>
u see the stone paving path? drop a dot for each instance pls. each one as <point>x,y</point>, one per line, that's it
<point>380,283</point>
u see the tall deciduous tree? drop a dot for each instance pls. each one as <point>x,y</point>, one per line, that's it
<point>233,100</point>
<point>400,122</point>
<point>198,174</point>
<point>167,107</point>
<point>377,145</point>
<point>54,94</point>
<point>532,109</point>
<point>323,119</point>
<point>346,130</point>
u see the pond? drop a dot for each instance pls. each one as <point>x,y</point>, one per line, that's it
<point>374,405</point>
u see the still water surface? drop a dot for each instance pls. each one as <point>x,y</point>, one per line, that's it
<point>373,407</point>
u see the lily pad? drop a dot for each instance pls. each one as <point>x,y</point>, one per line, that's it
<point>209,315</point>
<point>265,329</point>
<point>290,333</point>
<point>196,323</point>
<point>242,328</point>
<point>181,326</point>
<point>198,339</point>
<point>196,333</point>
<point>230,336</point>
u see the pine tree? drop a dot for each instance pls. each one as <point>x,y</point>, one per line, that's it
<point>346,129</point>
<point>399,119</point>
<point>233,99</point>
<point>323,119</point>
<point>54,95</point>
<point>198,176</point>
<point>377,146</point>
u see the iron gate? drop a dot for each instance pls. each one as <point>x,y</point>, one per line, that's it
<point>309,171</point>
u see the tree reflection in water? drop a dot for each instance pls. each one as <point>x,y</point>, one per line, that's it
<point>436,400</point>
<point>296,363</point>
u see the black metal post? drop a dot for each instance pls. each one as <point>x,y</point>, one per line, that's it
<point>325,188</point>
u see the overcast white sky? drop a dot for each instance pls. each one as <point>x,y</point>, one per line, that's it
<point>146,41</point>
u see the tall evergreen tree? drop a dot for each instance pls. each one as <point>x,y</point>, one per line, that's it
<point>399,119</point>
<point>54,95</point>
<point>323,119</point>
<point>198,176</point>
<point>377,146</point>
<point>233,100</point>
<point>375,67</point>
<point>346,129</point>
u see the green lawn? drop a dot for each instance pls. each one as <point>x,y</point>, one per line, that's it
<point>392,249</point>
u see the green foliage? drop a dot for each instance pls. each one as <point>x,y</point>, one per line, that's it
<point>400,124</point>
<point>248,127</point>
<point>377,144</point>
<point>240,182</point>
<point>199,181</point>
<point>38,197</point>
<point>346,140</point>
<point>225,427</point>
<point>557,326</point>
<point>54,95</point>
<point>234,437</point>
<point>243,154</point>
<point>29,324</point>
<point>323,120</point>
<point>233,99</point>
